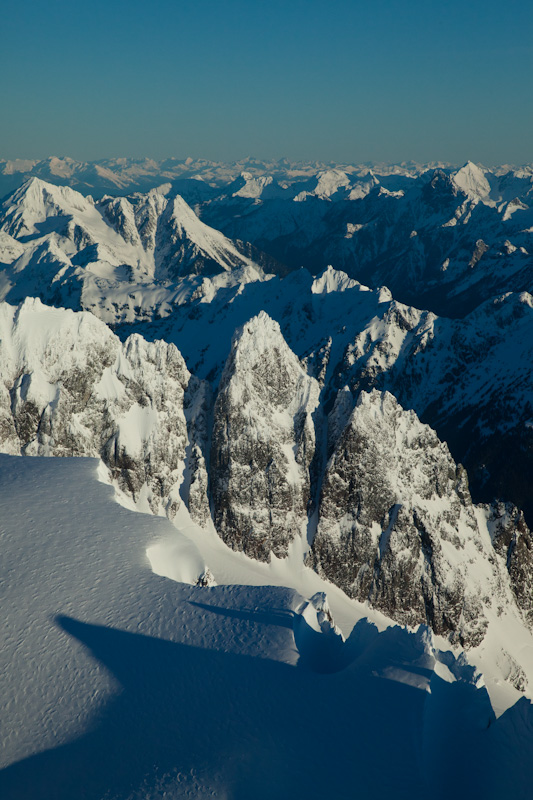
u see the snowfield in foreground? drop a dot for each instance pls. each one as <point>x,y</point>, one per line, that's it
<point>121,683</point>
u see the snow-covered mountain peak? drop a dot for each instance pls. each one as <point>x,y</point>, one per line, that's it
<point>189,225</point>
<point>397,525</point>
<point>187,239</point>
<point>36,201</point>
<point>471,179</point>
<point>333,280</point>
<point>69,387</point>
<point>379,416</point>
<point>330,181</point>
<point>364,186</point>
<point>161,190</point>
<point>122,257</point>
<point>254,186</point>
<point>263,443</point>
<point>35,191</point>
<point>257,335</point>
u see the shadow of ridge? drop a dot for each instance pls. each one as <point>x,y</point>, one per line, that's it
<point>214,721</point>
<point>324,653</point>
<point>318,651</point>
<point>280,618</point>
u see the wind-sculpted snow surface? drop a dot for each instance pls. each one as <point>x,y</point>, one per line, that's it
<point>117,683</point>
<point>397,526</point>
<point>263,443</point>
<point>69,387</point>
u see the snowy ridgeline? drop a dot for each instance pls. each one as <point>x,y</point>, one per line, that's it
<point>387,510</point>
<point>452,241</point>
<point>441,239</point>
<point>268,453</point>
<point>124,259</point>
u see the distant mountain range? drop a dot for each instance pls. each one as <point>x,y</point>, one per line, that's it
<point>125,175</point>
<point>440,238</point>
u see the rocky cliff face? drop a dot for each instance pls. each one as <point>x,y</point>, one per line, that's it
<point>69,387</point>
<point>263,443</point>
<point>397,526</point>
<point>513,542</point>
<point>469,379</point>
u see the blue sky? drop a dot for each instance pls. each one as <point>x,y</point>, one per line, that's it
<point>336,80</point>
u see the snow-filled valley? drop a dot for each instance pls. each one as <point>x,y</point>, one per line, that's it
<point>265,529</point>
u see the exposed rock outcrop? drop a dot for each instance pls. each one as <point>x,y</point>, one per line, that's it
<point>263,443</point>
<point>397,526</point>
<point>513,541</point>
<point>70,388</point>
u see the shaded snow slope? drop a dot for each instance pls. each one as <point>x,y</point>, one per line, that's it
<point>118,683</point>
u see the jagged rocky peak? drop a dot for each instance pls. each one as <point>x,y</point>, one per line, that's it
<point>382,343</point>
<point>188,246</point>
<point>263,443</point>
<point>68,387</point>
<point>513,541</point>
<point>397,526</point>
<point>333,280</point>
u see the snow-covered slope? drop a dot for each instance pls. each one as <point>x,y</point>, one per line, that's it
<point>118,683</point>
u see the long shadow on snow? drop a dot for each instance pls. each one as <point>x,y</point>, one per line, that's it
<point>328,654</point>
<point>280,617</point>
<point>260,728</point>
<point>248,727</point>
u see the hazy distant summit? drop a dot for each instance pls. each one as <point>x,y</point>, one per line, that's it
<point>125,175</point>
